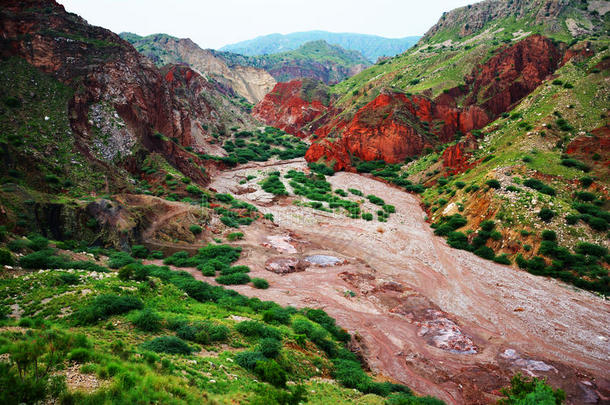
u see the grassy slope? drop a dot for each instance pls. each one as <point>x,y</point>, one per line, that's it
<point>124,371</point>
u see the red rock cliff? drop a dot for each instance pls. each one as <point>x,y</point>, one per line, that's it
<point>285,108</point>
<point>394,126</point>
<point>101,68</point>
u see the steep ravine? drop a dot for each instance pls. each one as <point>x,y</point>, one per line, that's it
<point>413,294</point>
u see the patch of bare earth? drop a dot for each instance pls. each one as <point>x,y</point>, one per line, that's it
<point>443,321</point>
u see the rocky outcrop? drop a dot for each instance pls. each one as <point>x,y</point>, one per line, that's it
<point>469,20</point>
<point>457,157</point>
<point>102,69</point>
<point>197,107</point>
<point>252,83</point>
<point>293,105</point>
<point>511,74</point>
<point>394,126</point>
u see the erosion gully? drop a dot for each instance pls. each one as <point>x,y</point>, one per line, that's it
<point>442,321</point>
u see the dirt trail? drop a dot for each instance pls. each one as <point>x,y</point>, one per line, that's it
<point>420,306</point>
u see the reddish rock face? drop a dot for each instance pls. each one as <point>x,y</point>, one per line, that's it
<point>394,126</point>
<point>456,157</point>
<point>102,68</point>
<point>584,147</point>
<point>285,108</point>
<point>513,73</point>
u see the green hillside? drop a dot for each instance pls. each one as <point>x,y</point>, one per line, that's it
<point>371,46</point>
<point>315,59</point>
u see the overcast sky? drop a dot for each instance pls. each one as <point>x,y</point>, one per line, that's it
<point>214,23</point>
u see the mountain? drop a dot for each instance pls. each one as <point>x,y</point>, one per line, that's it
<point>84,112</point>
<point>492,116</point>
<point>249,82</point>
<point>316,60</point>
<point>371,46</point>
<point>250,76</point>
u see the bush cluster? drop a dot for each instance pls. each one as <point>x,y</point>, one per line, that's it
<point>167,344</point>
<point>274,185</point>
<point>540,186</point>
<point>260,146</point>
<point>105,306</point>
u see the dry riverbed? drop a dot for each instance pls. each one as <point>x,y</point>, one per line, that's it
<point>443,321</point>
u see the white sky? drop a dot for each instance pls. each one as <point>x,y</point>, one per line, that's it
<point>214,23</point>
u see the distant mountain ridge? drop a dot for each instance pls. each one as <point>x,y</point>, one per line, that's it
<point>254,76</point>
<point>249,82</point>
<point>371,46</point>
<point>315,59</point>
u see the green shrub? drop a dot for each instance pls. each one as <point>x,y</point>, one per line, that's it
<point>235,236</point>
<point>367,216</point>
<point>68,278</point>
<point>457,240</point>
<point>120,259</point>
<point>493,183</point>
<point>572,219</point>
<point>502,259</point>
<point>147,320</point>
<point>549,235</point>
<point>233,279</point>
<point>51,179</point>
<point>599,224</point>
<point>167,344</point>
<point>126,272</point>
<point>487,225</point>
<point>104,306</point>
<point>194,190</point>
<point>576,164</point>
<point>355,192</point>
<point>321,169</point>
<point>139,251</point>
<point>80,355</point>
<point>17,245</point>
<point>586,181</point>
<point>157,255</point>
<point>248,360</point>
<point>269,371</point>
<point>195,229</point>
<point>375,200</point>
<point>585,196</point>
<point>401,398</point>
<point>449,224</point>
<point>260,283</point>
<point>485,252</point>
<point>592,249</point>
<point>274,185</point>
<point>257,329</point>
<point>546,214</point>
<point>6,258</point>
<point>187,332</point>
<point>530,391</point>
<point>277,315</point>
<point>269,347</point>
<point>208,332</point>
<point>38,242</point>
<point>42,259</point>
